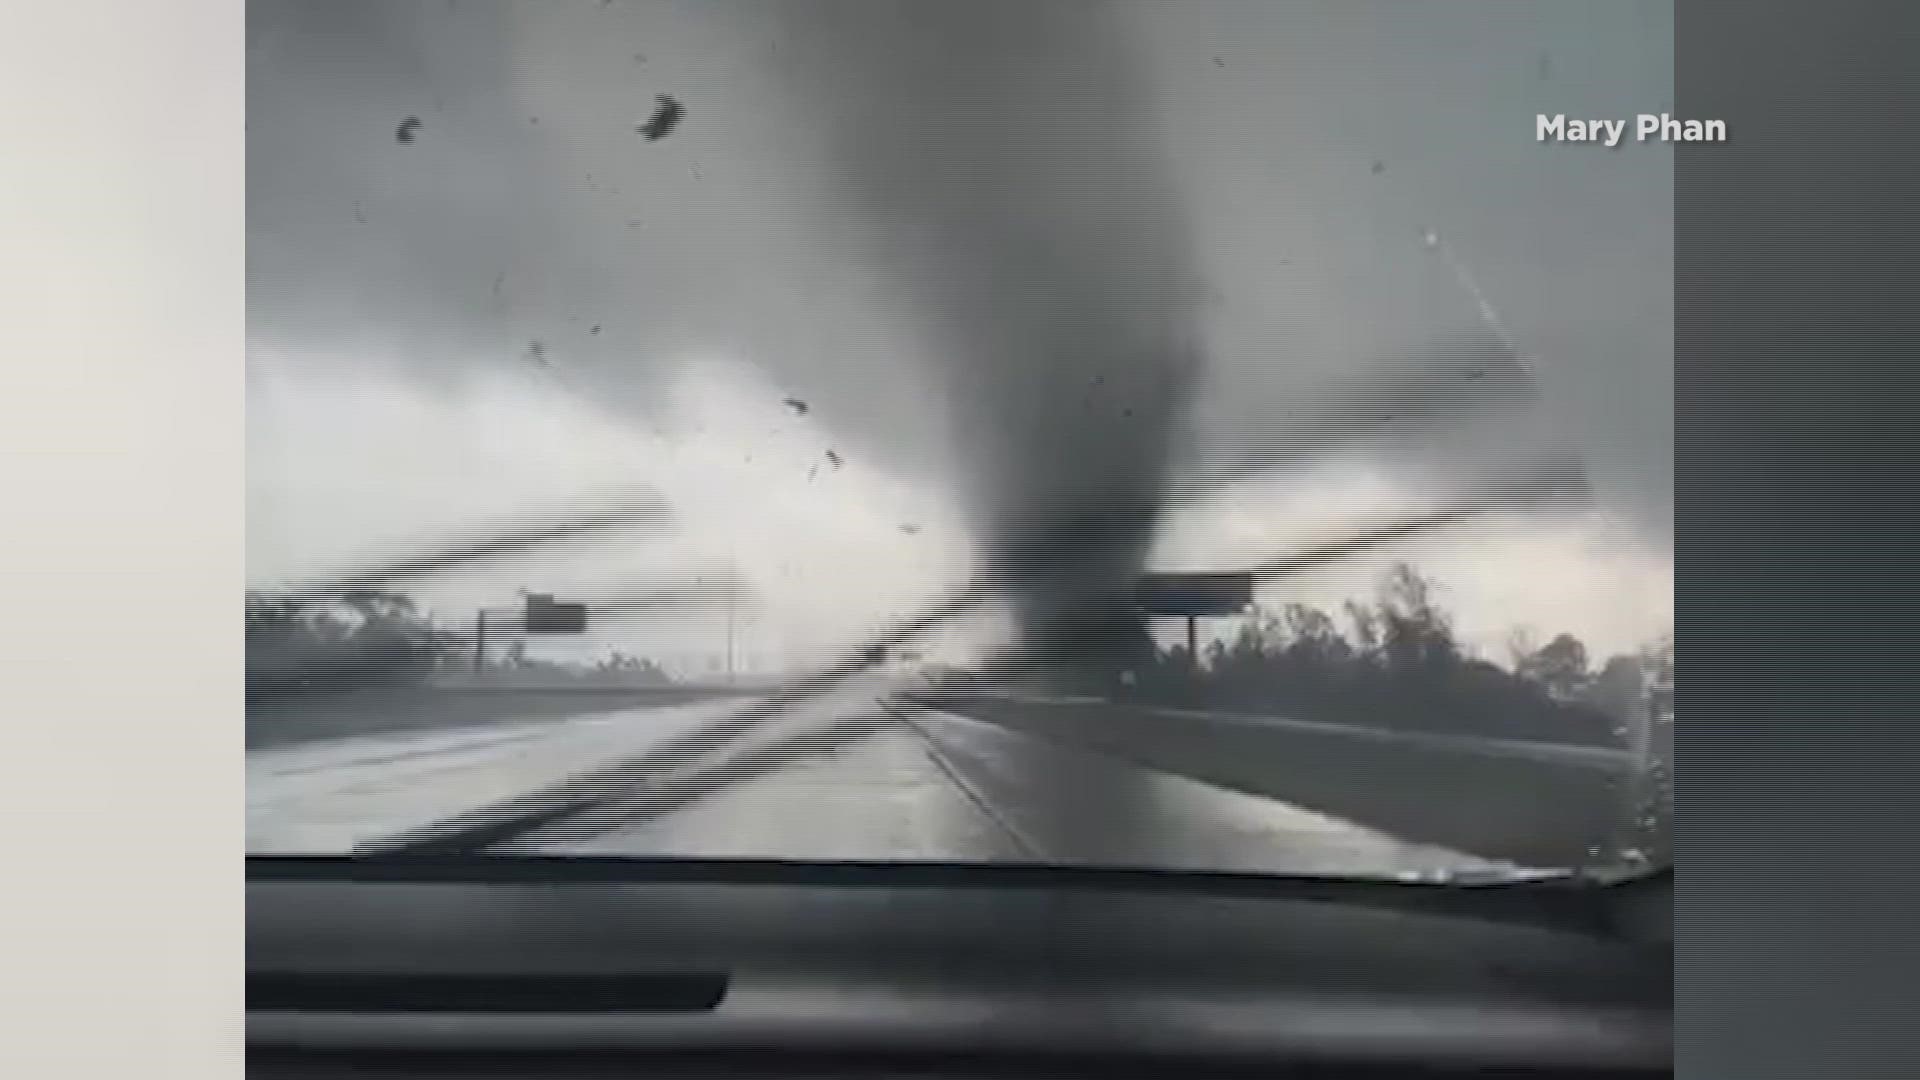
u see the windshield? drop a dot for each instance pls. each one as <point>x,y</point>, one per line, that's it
<point>1209,436</point>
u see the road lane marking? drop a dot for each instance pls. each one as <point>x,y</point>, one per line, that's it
<point>934,754</point>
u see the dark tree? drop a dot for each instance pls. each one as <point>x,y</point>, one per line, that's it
<point>1401,668</point>
<point>365,637</point>
<point>1559,666</point>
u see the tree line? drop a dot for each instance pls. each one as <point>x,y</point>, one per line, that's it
<point>378,637</point>
<point>1395,661</point>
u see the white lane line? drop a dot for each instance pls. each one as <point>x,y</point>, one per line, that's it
<point>931,747</point>
<point>876,797</point>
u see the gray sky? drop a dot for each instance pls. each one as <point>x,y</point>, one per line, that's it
<point>1282,167</point>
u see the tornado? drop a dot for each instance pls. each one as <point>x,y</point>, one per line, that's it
<point>999,160</point>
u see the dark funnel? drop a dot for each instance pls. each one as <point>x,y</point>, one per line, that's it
<point>999,160</point>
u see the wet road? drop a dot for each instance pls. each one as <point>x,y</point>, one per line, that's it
<point>1534,803</point>
<point>857,778</point>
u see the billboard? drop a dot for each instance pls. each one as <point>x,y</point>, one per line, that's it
<point>544,616</point>
<point>1193,594</point>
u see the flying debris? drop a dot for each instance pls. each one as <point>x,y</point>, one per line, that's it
<point>834,459</point>
<point>537,352</point>
<point>666,116</point>
<point>799,407</point>
<point>910,529</point>
<point>408,127</point>
<point>594,329</point>
<point>1379,167</point>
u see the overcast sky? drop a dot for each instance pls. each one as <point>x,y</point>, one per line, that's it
<point>528,303</point>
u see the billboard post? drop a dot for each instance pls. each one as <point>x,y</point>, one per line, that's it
<point>540,615</point>
<point>1191,596</point>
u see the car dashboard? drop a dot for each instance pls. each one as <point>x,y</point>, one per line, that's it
<point>553,968</point>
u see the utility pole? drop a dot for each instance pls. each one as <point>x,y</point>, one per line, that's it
<point>480,641</point>
<point>730,619</point>
<point>1641,784</point>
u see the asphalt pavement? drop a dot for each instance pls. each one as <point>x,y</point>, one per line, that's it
<point>293,719</point>
<point>1532,803</point>
<point>859,776</point>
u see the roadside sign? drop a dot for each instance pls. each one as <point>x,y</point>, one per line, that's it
<point>545,616</point>
<point>1193,594</point>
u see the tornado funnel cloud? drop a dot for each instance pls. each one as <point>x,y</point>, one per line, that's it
<point>1000,160</point>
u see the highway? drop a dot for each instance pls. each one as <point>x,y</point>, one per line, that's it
<point>285,720</point>
<point>1536,804</point>
<point>870,774</point>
